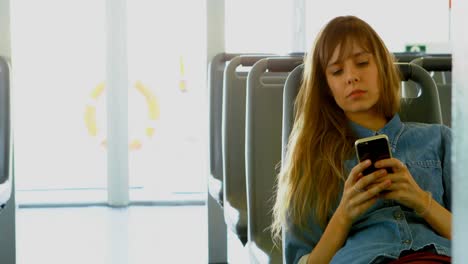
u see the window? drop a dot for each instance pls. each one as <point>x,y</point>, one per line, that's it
<point>60,103</point>
<point>167,59</point>
<point>58,59</point>
<point>399,23</point>
<point>260,26</point>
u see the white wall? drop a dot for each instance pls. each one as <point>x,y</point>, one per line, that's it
<point>460,127</point>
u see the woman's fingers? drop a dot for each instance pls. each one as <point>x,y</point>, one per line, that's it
<point>393,163</point>
<point>362,201</point>
<point>378,188</point>
<point>364,206</point>
<point>367,181</point>
<point>372,188</point>
<point>361,192</point>
<point>356,172</point>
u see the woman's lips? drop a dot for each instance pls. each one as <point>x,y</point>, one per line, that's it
<point>356,93</point>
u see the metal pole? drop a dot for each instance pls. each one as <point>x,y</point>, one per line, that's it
<point>117,103</point>
<point>217,231</point>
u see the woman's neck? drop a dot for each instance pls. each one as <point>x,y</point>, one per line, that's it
<point>373,122</point>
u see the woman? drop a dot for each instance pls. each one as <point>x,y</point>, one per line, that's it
<point>328,210</point>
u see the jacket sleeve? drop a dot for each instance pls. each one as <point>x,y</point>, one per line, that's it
<point>446,169</point>
<point>297,243</point>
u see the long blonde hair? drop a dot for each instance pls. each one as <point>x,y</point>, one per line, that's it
<point>312,173</point>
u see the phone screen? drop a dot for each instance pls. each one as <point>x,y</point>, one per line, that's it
<point>374,149</point>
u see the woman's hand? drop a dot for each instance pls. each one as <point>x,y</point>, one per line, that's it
<point>361,192</point>
<point>403,188</point>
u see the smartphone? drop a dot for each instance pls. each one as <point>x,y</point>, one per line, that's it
<point>374,148</point>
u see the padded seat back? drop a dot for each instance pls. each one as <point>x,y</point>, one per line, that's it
<point>215,82</point>
<point>5,134</point>
<point>265,84</point>
<point>233,144</point>
<point>441,69</point>
<point>425,108</point>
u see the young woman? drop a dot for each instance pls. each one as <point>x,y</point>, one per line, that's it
<point>327,210</point>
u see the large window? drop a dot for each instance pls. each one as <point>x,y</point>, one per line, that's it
<point>59,61</point>
<point>167,62</point>
<point>261,26</point>
<point>399,23</point>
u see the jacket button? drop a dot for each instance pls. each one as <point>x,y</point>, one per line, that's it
<point>398,215</point>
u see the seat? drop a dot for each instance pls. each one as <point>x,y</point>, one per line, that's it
<point>410,56</point>
<point>291,89</point>
<point>233,138</point>
<point>439,65</point>
<point>410,89</point>
<point>445,96</point>
<point>215,79</point>
<point>434,63</point>
<point>425,108</point>
<point>217,232</point>
<point>5,134</point>
<point>265,83</point>
<point>441,68</point>
<point>407,56</point>
<point>7,188</point>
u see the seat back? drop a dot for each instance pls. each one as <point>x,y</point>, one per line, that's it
<point>445,97</point>
<point>5,133</point>
<point>425,108</point>
<point>265,85</point>
<point>439,65</point>
<point>233,143</point>
<point>407,56</point>
<point>215,82</point>
<point>440,68</point>
<point>291,89</point>
<point>431,63</point>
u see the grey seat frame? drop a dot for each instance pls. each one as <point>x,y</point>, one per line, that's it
<point>215,79</point>
<point>426,108</point>
<point>265,84</point>
<point>441,68</point>
<point>5,134</point>
<point>233,144</point>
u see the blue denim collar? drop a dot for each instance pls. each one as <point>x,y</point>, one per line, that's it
<point>392,129</point>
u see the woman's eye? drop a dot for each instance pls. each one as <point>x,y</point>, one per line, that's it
<point>363,63</point>
<point>337,72</point>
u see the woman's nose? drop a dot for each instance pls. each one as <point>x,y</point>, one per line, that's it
<point>352,77</point>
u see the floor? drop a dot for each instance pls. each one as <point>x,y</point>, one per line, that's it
<point>136,235</point>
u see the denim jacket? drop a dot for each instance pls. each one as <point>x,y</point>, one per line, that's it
<point>387,229</point>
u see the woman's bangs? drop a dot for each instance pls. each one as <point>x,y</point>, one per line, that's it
<point>345,38</point>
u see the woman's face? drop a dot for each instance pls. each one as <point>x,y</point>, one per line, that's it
<point>354,81</point>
